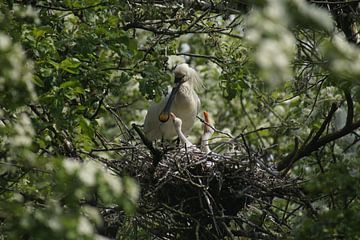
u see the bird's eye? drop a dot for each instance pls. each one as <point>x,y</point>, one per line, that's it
<point>179,79</point>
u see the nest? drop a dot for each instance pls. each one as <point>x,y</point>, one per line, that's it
<point>191,195</point>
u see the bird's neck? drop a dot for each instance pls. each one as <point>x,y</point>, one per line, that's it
<point>205,142</point>
<point>185,94</point>
<point>183,138</point>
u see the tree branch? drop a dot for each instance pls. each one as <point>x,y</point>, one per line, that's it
<point>156,153</point>
<point>327,120</point>
<point>61,8</point>
<point>317,141</point>
<point>306,148</point>
<point>350,108</point>
<point>230,7</point>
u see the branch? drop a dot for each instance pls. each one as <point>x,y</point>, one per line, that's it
<point>327,120</point>
<point>156,153</point>
<point>346,19</point>
<point>334,2</point>
<point>306,148</point>
<point>209,57</point>
<point>317,141</point>
<point>350,108</point>
<point>336,135</point>
<point>173,32</point>
<point>93,116</point>
<point>213,128</point>
<point>119,120</point>
<point>65,9</point>
<point>230,7</point>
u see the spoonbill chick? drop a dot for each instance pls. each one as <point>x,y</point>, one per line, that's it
<point>208,132</point>
<point>189,147</point>
<point>182,101</point>
<point>177,122</point>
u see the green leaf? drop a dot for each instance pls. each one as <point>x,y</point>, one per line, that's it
<point>85,126</point>
<point>124,77</point>
<point>38,33</point>
<point>68,84</point>
<point>92,2</point>
<point>38,81</point>
<point>70,65</point>
<point>54,64</point>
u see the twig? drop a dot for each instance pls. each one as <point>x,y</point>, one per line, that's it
<point>307,148</point>
<point>350,108</point>
<point>156,153</point>
<point>213,128</point>
<point>71,9</point>
<point>92,117</point>
<point>317,141</point>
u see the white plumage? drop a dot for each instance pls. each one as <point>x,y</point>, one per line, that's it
<point>189,147</point>
<point>177,122</point>
<point>182,101</point>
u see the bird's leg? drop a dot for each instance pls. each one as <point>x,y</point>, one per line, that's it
<point>162,143</point>
<point>177,142</point>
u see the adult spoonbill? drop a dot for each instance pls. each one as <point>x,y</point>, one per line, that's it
<point>182,101</point>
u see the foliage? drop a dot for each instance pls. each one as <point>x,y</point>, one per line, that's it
<point>283,75</point>
<point>48,190</point>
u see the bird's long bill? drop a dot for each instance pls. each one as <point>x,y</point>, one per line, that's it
<point>165,114</point>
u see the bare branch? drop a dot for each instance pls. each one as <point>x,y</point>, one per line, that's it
<point>307,148</point>
<point>327,120</point>
<point>350,108</point>
<point>317,141</point>
<point>156,153</point>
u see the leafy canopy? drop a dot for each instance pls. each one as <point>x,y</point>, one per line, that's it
<point>75,74</point>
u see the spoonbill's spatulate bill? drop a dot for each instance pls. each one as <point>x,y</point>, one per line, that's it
<point>182,101</point>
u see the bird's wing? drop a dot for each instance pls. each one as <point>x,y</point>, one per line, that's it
<point>198,104</point>
<point>152,123</point>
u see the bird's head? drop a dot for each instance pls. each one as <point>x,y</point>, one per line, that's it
<point>180,72</point>
<point>183,74</point>
<point>176,121</point>
<point>207,125</point>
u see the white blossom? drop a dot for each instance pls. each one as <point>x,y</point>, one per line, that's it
<point>5,42</point>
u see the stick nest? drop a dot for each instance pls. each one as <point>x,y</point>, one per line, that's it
<point>192,195</point>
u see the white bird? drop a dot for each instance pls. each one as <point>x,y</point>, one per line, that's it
<point>189,147</point>
<point>177,122</point>
<point>208,132</point>
<point>182,101</point>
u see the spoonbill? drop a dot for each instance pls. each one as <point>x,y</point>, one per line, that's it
<point>182,101</point>
<point>189,147</point>
<point>208,132</point>
<point>177,122</point>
